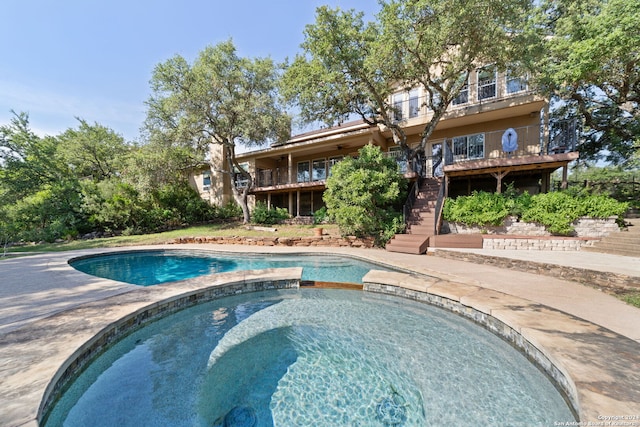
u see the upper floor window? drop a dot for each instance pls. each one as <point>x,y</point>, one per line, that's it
<point>515,83</point>
<point>303,171</point>
<point>397,153</point>
<point>487,77</point>
<point>398,99</point>
<point>414,103</point>
<point>240,180</point>
<point>332,162</point>
<point>468,147</point>
<point>319,170</point>
<point>463,95</point>
<point>206,180</point>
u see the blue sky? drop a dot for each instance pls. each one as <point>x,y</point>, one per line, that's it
<point>93,59</point>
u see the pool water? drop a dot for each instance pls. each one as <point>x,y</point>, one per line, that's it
<point>311,357</point>
<point>147,268</point>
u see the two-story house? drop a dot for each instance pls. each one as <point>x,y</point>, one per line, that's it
<point>494,133</point>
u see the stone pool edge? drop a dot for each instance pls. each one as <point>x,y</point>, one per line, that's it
<point>570,350</point>
<point>535,323</point>
<point>48,352</point>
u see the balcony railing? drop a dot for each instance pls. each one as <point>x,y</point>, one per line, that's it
<point>272,177</point>
<point>530,142</point>
<point>482,145</point>
<point>472,94</point>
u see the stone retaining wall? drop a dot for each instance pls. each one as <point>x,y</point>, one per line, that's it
<point>535,243</point>
<point>330,241</point>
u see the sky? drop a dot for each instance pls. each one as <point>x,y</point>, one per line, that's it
<point>92,59</point>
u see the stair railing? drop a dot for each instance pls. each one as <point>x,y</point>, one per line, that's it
<point>411,198</point>
<point>439,204</point>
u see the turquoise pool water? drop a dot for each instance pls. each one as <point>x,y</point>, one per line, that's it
<point>147,268</point>
<point>311,357</point>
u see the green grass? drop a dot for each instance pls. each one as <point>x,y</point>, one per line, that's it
<point>225,230</point>
<point>632,298</point>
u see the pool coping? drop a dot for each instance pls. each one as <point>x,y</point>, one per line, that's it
<point>577,353</point>
<point>572,351</point>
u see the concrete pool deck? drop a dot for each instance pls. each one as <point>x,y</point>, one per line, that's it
<point>49,311</point>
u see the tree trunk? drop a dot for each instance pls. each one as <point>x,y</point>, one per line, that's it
<point>240,196</point>
<point>241,200</point>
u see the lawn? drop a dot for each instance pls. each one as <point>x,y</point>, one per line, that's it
<point>225,230</point>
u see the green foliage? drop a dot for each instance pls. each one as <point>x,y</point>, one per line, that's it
<point>112,205</point>
<point>263,215</point>
<point>350,67</point>
<point>632,298</point>
<point>363,195</point>
<point>620,184</point>
<point>320,216</point>
<point>591,63</point>
<point>556,210</point>
<point>92,151</point>
<point>481,208</point>
<point>230,211</point>
<point>221,98</point>
<point>46,215</point>
<point>182,199</point>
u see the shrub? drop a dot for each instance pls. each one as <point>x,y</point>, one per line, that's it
<point>263,215</point>
<point>180,203</point>
<point>364,195</point>
<point>559,209</point>
<point>320,216</point>
<point>481,208</point>
<point>229,211</point>
<point>556,210</point>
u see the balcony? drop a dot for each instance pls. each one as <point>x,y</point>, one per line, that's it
<point>482,91</point>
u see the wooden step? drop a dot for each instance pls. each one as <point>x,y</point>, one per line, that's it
<point>421,229</point>
<point>420,222</point>
<point>456,241</point>
<point>408,243</point>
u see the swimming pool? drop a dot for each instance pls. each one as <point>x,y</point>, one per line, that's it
<point>311,357</point>
<point>147,268</point>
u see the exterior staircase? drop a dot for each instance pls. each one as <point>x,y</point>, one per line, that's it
<point>421,221</point>
<point>626,242</point>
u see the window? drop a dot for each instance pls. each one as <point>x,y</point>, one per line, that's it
<point>398,99</point>
<point>332,162</point>
<point>463,95</point>
<point>397,153</point>
<point>319,170</point>
<point>475,144</point>
<point>206,180</point>
<point>515,83</point>
<point>303,171</point>
<point>436,99</point>
<point>414,104</point>
<point>486,83</point>
<point>239,179</point>
<point>468,147</point>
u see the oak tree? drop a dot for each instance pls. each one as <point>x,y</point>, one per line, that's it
<point>351,67</point>
<point>592,65</point>
<point>221,98</point>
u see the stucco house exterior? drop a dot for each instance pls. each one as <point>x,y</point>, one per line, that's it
<point>495,132</point>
